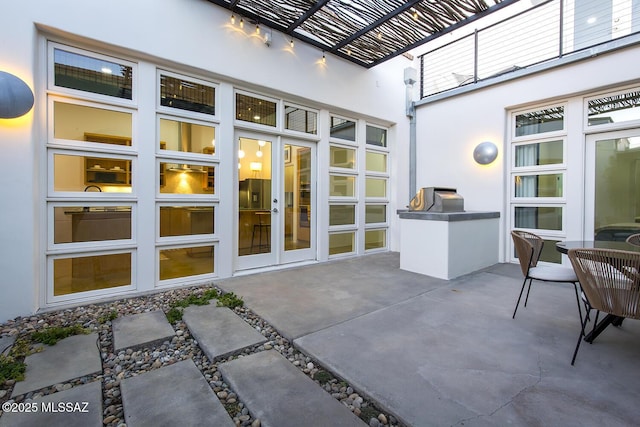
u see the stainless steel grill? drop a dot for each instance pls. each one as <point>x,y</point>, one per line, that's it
<point>437,199</point>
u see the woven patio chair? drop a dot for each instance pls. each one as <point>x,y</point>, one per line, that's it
<point>634,239</point>
<point>611,284</point>
<point>528,248</point>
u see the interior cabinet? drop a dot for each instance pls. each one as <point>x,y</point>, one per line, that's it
<point>101,170</point>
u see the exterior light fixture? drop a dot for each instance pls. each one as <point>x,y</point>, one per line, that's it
<point>257,28</point>
<point>485,153</point>
<point>233,19</point>
<point>291,43</point>
<point>16,98</point>
<point>241,22</point>
<point>324,58</point>
<point>267,39</point>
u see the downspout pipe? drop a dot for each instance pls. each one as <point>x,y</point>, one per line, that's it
<point>410,78</point>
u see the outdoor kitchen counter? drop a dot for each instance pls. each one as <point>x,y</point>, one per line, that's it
<point>446,216</point>
<point>448,244</point>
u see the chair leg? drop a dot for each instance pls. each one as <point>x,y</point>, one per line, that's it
<point>575,286</point>
<point>528,290</point>
<point>581,335</point>
<point>524,283</point>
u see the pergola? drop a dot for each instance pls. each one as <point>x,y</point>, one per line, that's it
<point>365,32</point>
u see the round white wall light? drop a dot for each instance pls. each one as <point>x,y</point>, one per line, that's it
<point>485,153</point>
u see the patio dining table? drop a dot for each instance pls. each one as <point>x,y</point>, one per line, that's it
<point>564,246</point>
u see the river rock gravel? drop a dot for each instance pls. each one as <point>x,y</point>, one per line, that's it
<point>117,366</point>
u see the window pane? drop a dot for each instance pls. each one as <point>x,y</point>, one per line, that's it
<point>342,214</point>
<point>94,75</point>
<point>342,157</point>
<point>617,188</point>
<point>376,162</point>
<point>544,218</point>
<point>255,110</point>
<point>375,239</point>
<point>185,262</point>
<point>543,153</point>
<point>300,120</point>
<point>187,137</point>
<point>343,129</point>
<point>90,273</point>
<point>186,220</point>
<point>376,136</point>
<point>186,95</point>
<point>79,173</point>
<point>614,109</point>
<point>344,186</point>
<point>375,213</point>
<point>376,187</point>
<point>81,123</point>
<point>340,243</point>
<point>549,185</point>
<point>91,224</point>
<point>186,179</point>
<point>541,121</point>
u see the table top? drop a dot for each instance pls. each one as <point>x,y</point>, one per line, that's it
<point>564,247</point>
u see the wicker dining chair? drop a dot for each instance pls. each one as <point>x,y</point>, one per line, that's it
<point>634,239</point>
<point>528,248</point>
<point>610,282</point>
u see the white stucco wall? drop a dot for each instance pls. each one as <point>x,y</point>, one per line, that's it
<point>193,33</point>
<point>449,129</point>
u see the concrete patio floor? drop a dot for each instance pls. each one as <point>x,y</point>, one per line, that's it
<point>447,353</point>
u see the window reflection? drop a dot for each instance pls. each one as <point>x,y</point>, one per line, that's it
<point>81,72</point>
<point>90,273</point>
<point>183,262</point>
<point>91,223</point>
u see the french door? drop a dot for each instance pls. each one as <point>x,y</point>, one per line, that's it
<point>612,185</point>
<point>276,200</point>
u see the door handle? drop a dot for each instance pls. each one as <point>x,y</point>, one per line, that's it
<point>274,210</point>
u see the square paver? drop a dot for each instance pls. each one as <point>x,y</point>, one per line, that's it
<point>280,395</point>
<point>174,395</point>
<point>79,406</point>
<point>219,331</point>
<point>70,358</point>
<point>139,329</point>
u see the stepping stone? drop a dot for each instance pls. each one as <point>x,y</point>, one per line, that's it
<point>81,407</point>
<point>219,331</point>
<point>139,329</point>
<point>70,358</point>
<point>280,395</point>
<point>6,342</point>
<point>174,395</point>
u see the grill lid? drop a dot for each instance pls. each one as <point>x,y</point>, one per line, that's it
<point>437,199</point>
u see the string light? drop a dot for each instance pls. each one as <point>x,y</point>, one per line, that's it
<point>257,28</point>
<point>291,43</point>
<point>324,58</point>
<point>241,22</point>
<point>233,19</point>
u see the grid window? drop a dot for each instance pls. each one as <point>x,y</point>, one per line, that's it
<point>342,129</point>
<point>187,95</point>
<point>376,136</point>
<point>255,110</point>
<point>105,77</point>
<point>300,119</point>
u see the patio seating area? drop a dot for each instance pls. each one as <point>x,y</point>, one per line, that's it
<point>436,352</point>
<point>425,351</point>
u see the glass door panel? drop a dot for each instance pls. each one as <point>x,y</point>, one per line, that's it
<point>255,217</point>
<point>298,231</point>
<point>613,194</point>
